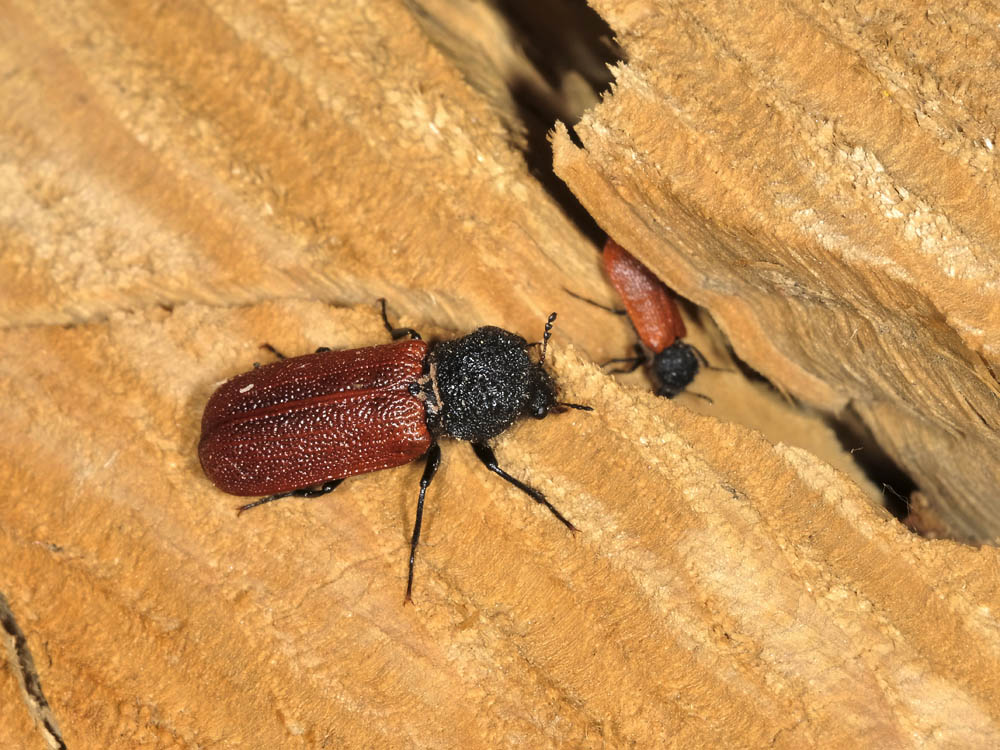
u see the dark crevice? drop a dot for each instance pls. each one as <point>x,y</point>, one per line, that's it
<point>23,666</point>
<point>989,368</point>
<point>569,45</point>
<point>566,48</point>
<point>855,438</point>
<point>878,466</point>
<point>978,413</point>
<point>538,156</point>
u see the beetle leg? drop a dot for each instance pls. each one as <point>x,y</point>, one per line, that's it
<point>279,355</point>
<point>430,468</point>
<point>615,310</point>
<point>699,355</point>
<point>562,406</point>
<point>273,351</point>
<point>671,394</point>
<point>306,492</point>
<point>489,459</point>
<point>704,362</point>
<point>634,362</point>
<point>325,488</point>
<point>397,333</point>
<point>633,365</point>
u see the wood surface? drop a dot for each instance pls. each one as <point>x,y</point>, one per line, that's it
<point>186,181</point>
<point>823,180</point>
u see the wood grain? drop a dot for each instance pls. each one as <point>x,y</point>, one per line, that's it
<point>823,182</point>
<point>733,593</point>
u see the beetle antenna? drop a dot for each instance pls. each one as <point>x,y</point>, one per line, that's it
<point>546,336</point>
<point>699,355</point>
<point>704,362</point>
<point>581,407</point>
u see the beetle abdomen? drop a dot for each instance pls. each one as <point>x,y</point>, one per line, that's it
<point>650,306</point>
<point>307,420</point>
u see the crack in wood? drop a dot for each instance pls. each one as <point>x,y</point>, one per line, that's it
<point>23,665</point>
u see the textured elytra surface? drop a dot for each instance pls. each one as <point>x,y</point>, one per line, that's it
<point>650,307</point>
<point>725,590</point>
<point>305,420</point>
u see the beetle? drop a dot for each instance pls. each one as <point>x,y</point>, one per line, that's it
<point>656,318</point>
<point>301,425</point>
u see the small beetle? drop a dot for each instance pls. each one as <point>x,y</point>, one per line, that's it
<point>300,426</point>
<point>656,318</point>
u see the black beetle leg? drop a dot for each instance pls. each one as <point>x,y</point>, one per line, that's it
<point>562,406</point>
<point>305,492</point>
<point>430,468</point>
<point>634,362</point>
<point>704,361</point>
<point>690,393</point>
<point>489,459</point>
<point>615,310</point>
<point>279,355</point>
<point>396,333</point>
<point>273,351</point>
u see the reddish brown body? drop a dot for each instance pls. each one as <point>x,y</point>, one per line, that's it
<point>307,420</point>
<point>650,305</point>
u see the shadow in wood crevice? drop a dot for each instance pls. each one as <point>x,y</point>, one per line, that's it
<point>897,486</point>
<point>537,62</point>
<point>571,47</point>
<point>22,665</point>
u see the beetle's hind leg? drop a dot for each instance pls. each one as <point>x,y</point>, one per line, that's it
<point>430,469</point>
<point>704,362</point>
<point>273,351</point>
<point>489,459</point>
<point>396,333</point>
<point>305,492</point>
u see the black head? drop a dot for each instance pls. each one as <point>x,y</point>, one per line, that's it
<point>486,381</point>
<point>674,368</point>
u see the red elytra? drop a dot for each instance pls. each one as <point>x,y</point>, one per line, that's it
<point>302,421</point>
<point>649,304</point>
<point>656,318</point>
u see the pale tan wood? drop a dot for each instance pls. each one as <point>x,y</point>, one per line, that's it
<point>825,183</point>
<point>185,183</point>
<point>723,591</point>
